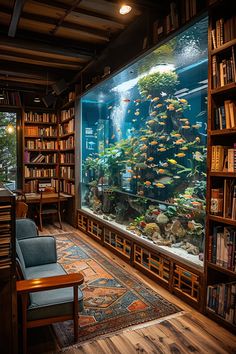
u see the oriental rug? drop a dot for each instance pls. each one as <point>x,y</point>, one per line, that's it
<point>113,298</point>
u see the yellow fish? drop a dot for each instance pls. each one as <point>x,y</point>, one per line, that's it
<point>147,183</point>
<point>152,121</point>
<point>182,100</point>
<point>155,99</point>
<point>176,135</point>
<point>159,105</point>
<point>137,113</point>
<point>153,142</point>
<point>161,149</point>
<point>171,107</point>
<point>162,123</point>
<point>154,113</point>
<point>163,117</point>
<point>149,97</point>
<point>150,159</point>
<point>196,126</point>
<point>180,141</point>
<point>172,161</point>
<point>184,148</point>
<point>159,185</point>
<point>136,154</point>
<point>185,126</point>
<point>162,137</point>
<point>180,154</point>
<point>143,147</point>
<point>143,138</point>
<point>183,119</point>
<point>179,109</point>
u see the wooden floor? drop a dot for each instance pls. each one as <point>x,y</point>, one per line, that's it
<point>186,332</point>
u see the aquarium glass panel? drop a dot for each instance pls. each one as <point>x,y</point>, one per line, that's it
<point>144,146</point>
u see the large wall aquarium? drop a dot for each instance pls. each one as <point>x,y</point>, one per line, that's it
<point>144,146</point>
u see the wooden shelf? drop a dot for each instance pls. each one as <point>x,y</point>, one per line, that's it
<point>41,178</point>
<point>222,174</point>
<point>222,132</point>
<point>42,150</point>
<point>67,120</point>
<point>221,269</point>
<point>40,137</point>
<point>67,164</point>
<point>223,47</point>
<point>214,316</point>
<point>40,163</point>
<point>69,149</point>
<point>40,123</point>
<point>66,135</point>
<point>224,89</point>
<point>68,104</point>
<point>222,220</point>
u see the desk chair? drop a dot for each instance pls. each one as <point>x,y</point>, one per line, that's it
<point>21,209</point>
<point>47,293</point>
<point>49,206</point>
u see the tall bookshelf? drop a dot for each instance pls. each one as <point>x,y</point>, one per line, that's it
<point>8,313</point>
<point>220,257</point>
<point>40,144</point>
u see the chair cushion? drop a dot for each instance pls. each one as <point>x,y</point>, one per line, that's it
<point>52,303</point>
<point>25,228</point>
<point>20,261</point>
<point>44,271</point>
<point>38,250</point>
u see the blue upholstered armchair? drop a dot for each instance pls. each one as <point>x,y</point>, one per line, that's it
<point>47,293</point>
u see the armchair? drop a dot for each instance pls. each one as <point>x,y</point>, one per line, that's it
<point>47,293</point>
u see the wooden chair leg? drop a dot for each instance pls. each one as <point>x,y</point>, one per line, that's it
<point>75,312</point>
<point>24,299</point>
<point>59,218</point>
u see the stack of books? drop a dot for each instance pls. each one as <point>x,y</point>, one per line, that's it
<point>223,158</point>
<point>225,115</point>
<point>223,200</point>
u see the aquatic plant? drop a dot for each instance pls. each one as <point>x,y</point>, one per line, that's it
<point>159,82</point>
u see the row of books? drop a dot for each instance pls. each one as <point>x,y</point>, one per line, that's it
<point>66,114</point>
<point>67,158</point>
<point>40,172</point>
<point>67,143</point>
<point>39,158</point>
<point>40,132</point>
<point>221,248</point>
<point>5,236</point>
<point>11,98</point>
<point>225,115</point>
<point>42,144</point>
<point>67,187</point>
<point>31,186</point>
<point>67,127</point>
<point>221,299</point>
<point>67,172</point>
<point>223,71</point>
<point>40,117</point>
<point>223,158</point>
<point>223,200</point>
<point>224,31</point>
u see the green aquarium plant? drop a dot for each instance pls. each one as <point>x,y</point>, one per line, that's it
<point>158,82</point>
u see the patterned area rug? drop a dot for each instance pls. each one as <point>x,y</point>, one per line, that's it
<point>113,299</point>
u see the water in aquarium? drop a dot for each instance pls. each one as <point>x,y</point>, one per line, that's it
<point>144,146</point>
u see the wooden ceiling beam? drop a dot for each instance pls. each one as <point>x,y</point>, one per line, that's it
<point>18,6</point>
<point>27,80</point>
<point>45,47</point>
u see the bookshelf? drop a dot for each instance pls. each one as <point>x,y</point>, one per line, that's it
<point>220,260</point>
<point>8,336</point>
<point>40,143</point>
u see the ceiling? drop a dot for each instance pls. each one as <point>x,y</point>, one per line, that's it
<point>43,41</point>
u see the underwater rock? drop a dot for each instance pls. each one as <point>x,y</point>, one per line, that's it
<point>151,228</point>
<point>150,218</point>
<point>121,211</point>
<point>191,248</point>
<point>176,229</point>
<point>177,245</point>
<point>162,219</point>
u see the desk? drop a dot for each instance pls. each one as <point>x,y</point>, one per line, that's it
<point>34,198</point>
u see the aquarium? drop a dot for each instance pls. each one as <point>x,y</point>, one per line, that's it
<point>143,147</point>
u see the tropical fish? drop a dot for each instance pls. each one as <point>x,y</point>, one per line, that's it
<point>152,121</point>
<point>150,159</point>
<point>180,154</point>
<point>126,100</point>
<point>162,137</point>
<point>197,139</point>
<point>136,154</point>
<point>187,196</point>
<point>184,148</point>
<point>159,105</point>
<point>176,135</point>
<point>163,117</point>
<point>141,193</point>
<point>172,161</point>
<point>144,154</point>
<point>196,126</point>
<point>137,113</point>
<point>161,145</point>
<point>147,183</point>
<point>138,100</point>
<point>155,99</point>
<point>163,164</point>
<point>159,185</point>
<point>183,119</point>
<point>153,113</point>
<point>171,107</point>
<point>185,126</point>
<point>179,109</point>
<point>149,97</point>
<point>143,147</point>
<point>110,107</point>
<point>182,100</point>
<point>165,180</point>
<point>176,177</point>
<point>179,141</point>
<point>162,123</point>
<point>130,171</point>
<point>134,177</point>
<point>161,149</point>
<point>153,142</point>
<point>143,138</point>
<point>198,156</point>
<point>161,171</point>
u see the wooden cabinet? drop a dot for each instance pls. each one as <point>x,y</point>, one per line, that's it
<point>221,210</point>
<point>8,309</point>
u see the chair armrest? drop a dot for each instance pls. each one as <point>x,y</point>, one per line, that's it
<point>49,283</point>
<point>38,250</point>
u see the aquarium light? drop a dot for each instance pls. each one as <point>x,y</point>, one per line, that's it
<point>125,9</point>
<point>10,129</point>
